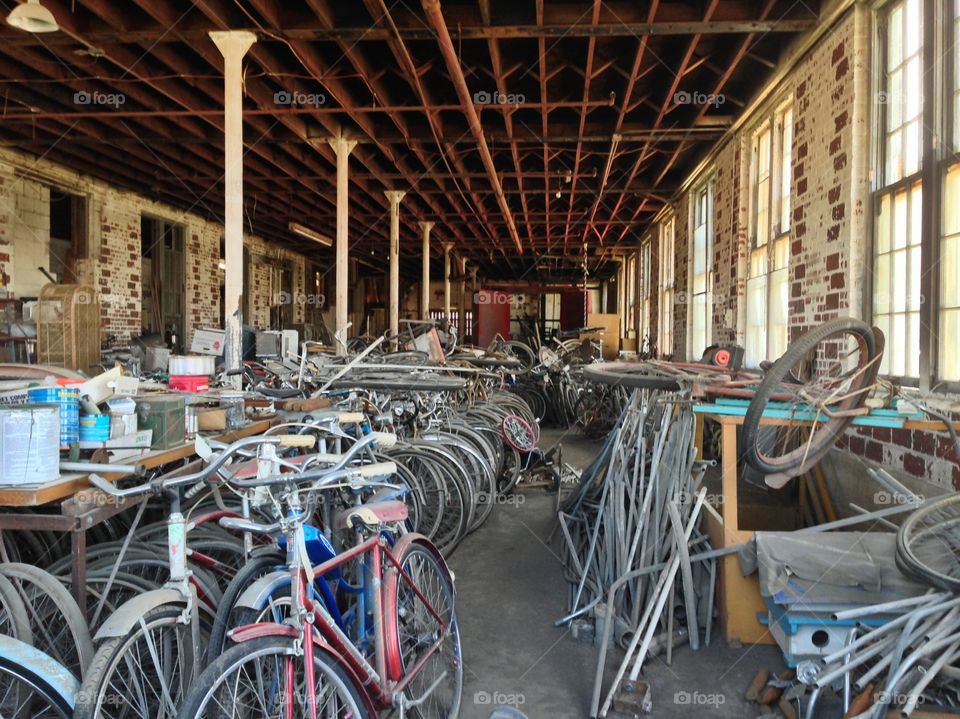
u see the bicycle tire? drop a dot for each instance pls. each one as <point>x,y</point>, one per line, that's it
<point>47,692</point>
<point>826,434</point>
<point>54,614</point>
<point>916,532</point>
<point>261,651</point>
<point>97,701</point>
<point>255,568</point>
<point>406,614</point>
<point>14,620</point>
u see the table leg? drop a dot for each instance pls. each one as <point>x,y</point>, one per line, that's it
<point>78,572</point>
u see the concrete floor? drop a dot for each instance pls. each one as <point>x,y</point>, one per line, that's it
<point>510,589</point>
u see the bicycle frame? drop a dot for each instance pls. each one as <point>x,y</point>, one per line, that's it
<point>383,680</point>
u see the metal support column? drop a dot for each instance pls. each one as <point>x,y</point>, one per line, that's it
<point>343,147</point>
<point>394,196</point>
<point>425,275</point>
<point>233,45</point>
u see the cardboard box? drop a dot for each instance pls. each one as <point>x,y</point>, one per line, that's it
<point>208,342</point>
<point>129,445</point>
<point>211,420</point>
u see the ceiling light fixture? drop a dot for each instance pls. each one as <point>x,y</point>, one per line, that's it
<point>304,231</point>
<point>33,17</point>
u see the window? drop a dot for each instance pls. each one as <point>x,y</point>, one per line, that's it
<point>771,177</point>
<point>949,320</point>
<point>630,299</point>
<point>666,258</point>
<point>701,270</point>
<point>914,315</point>
<point>646,291</point>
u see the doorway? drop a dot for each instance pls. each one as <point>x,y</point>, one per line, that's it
<point>163,272</point>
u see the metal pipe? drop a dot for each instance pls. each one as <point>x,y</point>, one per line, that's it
<point>435,18</point>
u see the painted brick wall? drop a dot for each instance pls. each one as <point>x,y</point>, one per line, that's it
<point>113,265</point>
<point>819,250</point>
<point>826,251</point>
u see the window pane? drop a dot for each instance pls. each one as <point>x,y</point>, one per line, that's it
<point>897,269</point>
<point>786,172</point>
<point>756,341</point>
<point>777,318</point>
<point>894,32</point>
<point>949,328</point>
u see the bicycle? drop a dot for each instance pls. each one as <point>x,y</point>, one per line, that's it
<point>149,649</point>
<point>307,665</point>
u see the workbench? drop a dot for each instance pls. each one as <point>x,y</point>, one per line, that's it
<point>77,513</point>
<point>738,597</point>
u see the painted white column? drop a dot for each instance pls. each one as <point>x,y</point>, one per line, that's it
<point>343,147</point>
<point>446,278</point>
<point>462,323</point>
<point>394,196</point>
<point>425,274</point>
<point>233,45</point>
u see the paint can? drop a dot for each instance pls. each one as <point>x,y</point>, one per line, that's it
<point>68,399</point>
<point>29,443</point>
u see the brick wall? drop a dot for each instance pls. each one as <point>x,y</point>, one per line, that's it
<point>819,249</point>
<point>113,264</point>
<point>829,252</point>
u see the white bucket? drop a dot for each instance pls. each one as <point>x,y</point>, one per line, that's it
<point>29,444</point>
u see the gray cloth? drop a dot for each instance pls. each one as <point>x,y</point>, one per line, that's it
<point>841,560</point>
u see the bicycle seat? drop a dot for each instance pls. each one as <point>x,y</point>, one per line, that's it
<point>372,515</point>
<point>284,393</point>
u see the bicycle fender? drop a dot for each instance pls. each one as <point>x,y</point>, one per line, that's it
<point>271,629</point>
<point>414,538</point>
<point>57,676</point>
<point>129,613</point>
<point>256,595</point>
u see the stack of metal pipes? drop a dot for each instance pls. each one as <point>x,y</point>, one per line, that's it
<point>908,662</point>
<point>635,558</point>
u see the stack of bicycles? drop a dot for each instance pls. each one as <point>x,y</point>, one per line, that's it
<point>284,580</point>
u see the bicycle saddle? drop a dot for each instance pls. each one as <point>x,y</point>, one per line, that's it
<point>372,515</point>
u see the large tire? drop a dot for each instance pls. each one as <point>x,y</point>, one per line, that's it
<point>826,433</point>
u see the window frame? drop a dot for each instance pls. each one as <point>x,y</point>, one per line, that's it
<point>666,283</point>
<point>706,189</point>
<point>771,256</point>
<point>940,20</point>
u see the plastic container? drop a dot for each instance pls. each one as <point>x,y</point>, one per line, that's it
<point>192,365</point>
<point>233,404</point>
<point>29,443</point>
<point>123,416</point>
<point>68,399</point>
<point>189,383</point>
<point>95,428</point>
<point>165,415</point>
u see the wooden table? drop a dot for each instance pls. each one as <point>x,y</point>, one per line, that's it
<point>738,597</point>
<point>78,513</point>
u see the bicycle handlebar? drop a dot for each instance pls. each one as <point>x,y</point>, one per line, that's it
<point>161,484</point>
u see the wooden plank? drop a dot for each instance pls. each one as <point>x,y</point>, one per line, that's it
<point>69,484</point>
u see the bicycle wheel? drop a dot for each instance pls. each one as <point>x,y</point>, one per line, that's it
<point>255,568</point>
<point>265,678</point>
<point>928,543</point>
<point>822,379</point>
<point>518,434</point>
<point>59,627</point>
<point>31,685</point>
<point>14,620</point>
<point>144,674</point>
<point>418,612</point>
